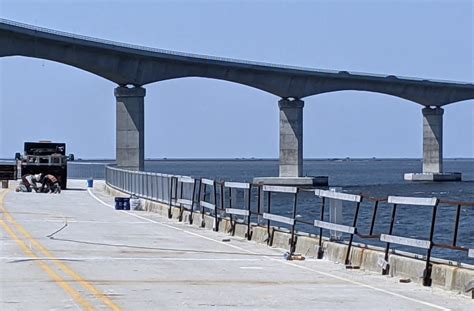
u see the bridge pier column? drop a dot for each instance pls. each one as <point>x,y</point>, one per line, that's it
<point>291,148</point>
<point>432,140</point>
<point>130,127</point>
<point>433,148</point>
<point>291,138</point>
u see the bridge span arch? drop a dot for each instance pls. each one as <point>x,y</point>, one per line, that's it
<point>127,64</point>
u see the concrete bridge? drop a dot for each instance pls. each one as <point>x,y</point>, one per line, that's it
<point>132,67</point>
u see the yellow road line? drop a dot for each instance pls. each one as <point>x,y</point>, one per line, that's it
<point>75,295</point>
<point>63,266</point>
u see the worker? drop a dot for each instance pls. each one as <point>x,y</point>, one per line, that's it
<point>50,184</point>
<point>29,182</point>
<point>22,188</point>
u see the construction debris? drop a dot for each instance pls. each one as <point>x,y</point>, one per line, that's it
<point>295,256</point>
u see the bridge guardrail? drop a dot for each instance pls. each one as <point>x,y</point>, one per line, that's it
<point>418,243</point>
<point>321,224</point>
<point>234,210</point>
<point>269,216</point>
<point>185,196</point>
<point>208,201</point>
<point>212,196</point>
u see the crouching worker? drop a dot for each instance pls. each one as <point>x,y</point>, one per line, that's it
<point>50,184</point>
<point>29,182</point>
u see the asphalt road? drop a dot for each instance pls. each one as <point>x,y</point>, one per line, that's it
<point>104,259</point>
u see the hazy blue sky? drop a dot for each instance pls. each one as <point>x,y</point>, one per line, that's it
<point>197,117</point>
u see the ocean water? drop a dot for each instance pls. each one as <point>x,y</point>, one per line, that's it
<point>369,177</point>
<point>375,177</point>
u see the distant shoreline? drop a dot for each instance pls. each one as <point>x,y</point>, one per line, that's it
<point>258,159</point>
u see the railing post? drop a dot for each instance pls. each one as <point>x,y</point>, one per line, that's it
<point>170,197</point>
<point>193,199</point>
<point>204,186</point>
<point>354,224</point>
<point>293,227</point>
<point>374,215</point>
<point>269,202</point>
<point>386,268</point>
<point>232,224</point>
<point>249,203</point>
<point>216,220</point>
<point>456,225</point>
<point>428,266</point>
<point>320,243</point>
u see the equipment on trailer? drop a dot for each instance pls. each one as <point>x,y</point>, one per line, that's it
<point>45,157</point>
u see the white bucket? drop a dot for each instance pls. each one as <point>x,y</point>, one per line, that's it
<point>135,203</point>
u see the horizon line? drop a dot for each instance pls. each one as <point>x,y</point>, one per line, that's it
<point>257,159</point>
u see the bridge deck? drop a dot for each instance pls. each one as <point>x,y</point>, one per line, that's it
<point>106,259</point>
<point>127,64</point>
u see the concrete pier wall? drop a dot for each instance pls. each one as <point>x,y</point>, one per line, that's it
<point>433,140</point>
<point>130,128</point>
<point>444,276</point>
<point>291,137</point>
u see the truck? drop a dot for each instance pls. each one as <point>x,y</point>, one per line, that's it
<point>44,157</point>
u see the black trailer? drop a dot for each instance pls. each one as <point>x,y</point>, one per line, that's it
<point>7,171</point>
<point>47,158</point>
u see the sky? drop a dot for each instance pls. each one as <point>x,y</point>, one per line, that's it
<point>205,118</point>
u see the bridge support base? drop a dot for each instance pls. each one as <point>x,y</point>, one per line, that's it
<point>293,181</point>
<point>433,176</point>
<point>433,149</point>
<point>291,149</point>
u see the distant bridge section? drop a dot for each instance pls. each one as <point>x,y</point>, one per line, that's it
<point>132,66</point>
<point>127,64</point>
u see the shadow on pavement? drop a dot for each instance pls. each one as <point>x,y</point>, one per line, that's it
<point>163,248</point>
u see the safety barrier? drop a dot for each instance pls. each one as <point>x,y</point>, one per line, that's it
<point>209,201</point>
<point>424,244</point>
<point>152,186</point>
<point>351,230</point>
<point>269,216</point>
<point>185,202</point>
<point>220,200</point>
<point>454,244</point>
<point>233,210</point>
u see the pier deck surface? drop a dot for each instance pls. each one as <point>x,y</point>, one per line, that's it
<point>120,260</point>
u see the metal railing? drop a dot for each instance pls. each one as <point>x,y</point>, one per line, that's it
<point>369,218</point>
<point>152,186</point>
